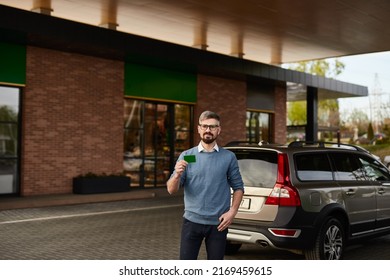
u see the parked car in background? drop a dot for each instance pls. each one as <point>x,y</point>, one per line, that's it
<point>363,140</point>
<point>310,198</point>
<point>386,161</point>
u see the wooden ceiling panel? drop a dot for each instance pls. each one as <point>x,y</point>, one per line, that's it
<point>269,31</point>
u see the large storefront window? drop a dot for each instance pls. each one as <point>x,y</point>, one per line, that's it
<point>258,127</point>
<point>154,135</point>
<point>9,128</point>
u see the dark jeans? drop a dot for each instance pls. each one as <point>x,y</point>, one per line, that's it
<point>192,235</point>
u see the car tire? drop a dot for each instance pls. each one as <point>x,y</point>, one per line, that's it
<point>330,242</point>
<point>232,248</point>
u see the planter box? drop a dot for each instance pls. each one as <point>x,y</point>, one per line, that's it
<point>90,185</point>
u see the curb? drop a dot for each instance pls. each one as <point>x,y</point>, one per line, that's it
<point>8,203</point>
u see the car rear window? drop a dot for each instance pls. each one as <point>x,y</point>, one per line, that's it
<point>313,167</point>
<point>257,168</point>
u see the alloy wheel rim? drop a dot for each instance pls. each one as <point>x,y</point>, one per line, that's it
<point>333,243</point>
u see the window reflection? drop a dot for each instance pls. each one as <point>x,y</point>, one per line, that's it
<point>154,135</point>
<point>374,170</point>
<point>347,167</point>
<point>258,127</point>
<point>9,124</point>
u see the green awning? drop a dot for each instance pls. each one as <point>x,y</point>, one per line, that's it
<point>12,64</point>
<point>158,83</point>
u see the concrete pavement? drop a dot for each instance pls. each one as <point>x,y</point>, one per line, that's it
<point>141,224</point>
<point>128,229</point>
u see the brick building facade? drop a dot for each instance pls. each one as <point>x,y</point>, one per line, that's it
<point>73,119</point>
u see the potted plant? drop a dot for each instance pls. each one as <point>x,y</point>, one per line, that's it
<point>100,183</point>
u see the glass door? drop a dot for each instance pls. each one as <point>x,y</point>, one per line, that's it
<point>154,135</point>
<point>157,147</point>
<point>9,140</point>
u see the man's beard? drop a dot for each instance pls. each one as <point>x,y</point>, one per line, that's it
<point>208,140</point>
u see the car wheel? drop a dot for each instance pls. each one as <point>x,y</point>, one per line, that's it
<point>329,244</point>
<point>232,248</point>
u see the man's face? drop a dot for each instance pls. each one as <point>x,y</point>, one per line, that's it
<point>209,130</point>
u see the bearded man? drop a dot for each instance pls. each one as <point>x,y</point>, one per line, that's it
<point>207,173</point>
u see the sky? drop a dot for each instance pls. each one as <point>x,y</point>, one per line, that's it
<point>370,70</point>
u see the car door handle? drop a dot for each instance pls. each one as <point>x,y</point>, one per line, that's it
<point>381,191</point>
<point>350,192</point>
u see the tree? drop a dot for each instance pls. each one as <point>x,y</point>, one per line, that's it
<point>8,131</point>
<point>358,119</point>
<point>8,114</point>
<point>296,113</point>
<point>330,68</point>
<point>370,131</point>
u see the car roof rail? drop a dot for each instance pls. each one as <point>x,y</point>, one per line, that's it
<point>252,143</point>
<point>299,144</point>
<point>322,144</point>
<point>241,142</point>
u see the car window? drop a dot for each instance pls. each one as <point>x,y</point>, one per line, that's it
<point>257,168</point>
<point>374,170</point>
<point>313,167</point>
<point>347,167</point>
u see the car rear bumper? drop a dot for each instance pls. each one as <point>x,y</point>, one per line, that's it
<point>264,237</point>
<point>251,237</point>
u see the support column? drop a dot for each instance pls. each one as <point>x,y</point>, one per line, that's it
<point>200,36</point>
<point>109,14</point>
<point>42,7</point>
<point>237,45</point>
<point>312,114</point>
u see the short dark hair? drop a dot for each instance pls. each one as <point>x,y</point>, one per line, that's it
<point>208,115</point>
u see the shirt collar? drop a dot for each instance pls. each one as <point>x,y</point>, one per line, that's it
<point>202,149</point>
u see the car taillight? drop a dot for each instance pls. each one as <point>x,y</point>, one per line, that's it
<point>283,194</point>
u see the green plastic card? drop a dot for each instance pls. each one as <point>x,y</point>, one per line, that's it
<point>190,158</point>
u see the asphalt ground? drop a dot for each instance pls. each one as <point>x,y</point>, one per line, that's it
<point>108,230</point>
<point>141,229</point>
<point>136,229</point>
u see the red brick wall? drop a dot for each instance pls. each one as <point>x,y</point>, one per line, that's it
<point>73,119</point>
<point>280,135</point>
<point>228,99</point>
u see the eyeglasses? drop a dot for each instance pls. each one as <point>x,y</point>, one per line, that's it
<point>212,127</point>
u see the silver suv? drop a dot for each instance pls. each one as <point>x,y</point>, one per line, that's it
<point>310,198</point>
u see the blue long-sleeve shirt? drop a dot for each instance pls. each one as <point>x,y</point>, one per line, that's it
<point>207,184</point>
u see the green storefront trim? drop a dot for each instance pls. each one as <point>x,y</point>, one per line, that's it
<point>158,83</point>
<point>13,64</point>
